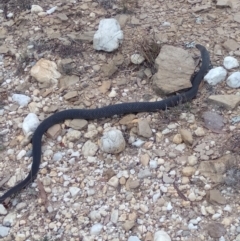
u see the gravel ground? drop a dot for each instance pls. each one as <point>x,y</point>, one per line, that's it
<point>156,186</point>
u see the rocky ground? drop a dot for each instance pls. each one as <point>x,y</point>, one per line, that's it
<point>176,177</point>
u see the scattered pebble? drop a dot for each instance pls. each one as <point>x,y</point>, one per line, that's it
<point>113,181</point>
<point>171,158</point>
<point>230,62</point>
<point>133,238</point>
<point>36,9</point>
<point>4,231</point>
<point>51,10</point>
<point>161,236</point>
<point>22,100</point>
<point>74,191</point>
<point>96,229</point>
<point>215,75</point>
<point>112,142</point>
<point>3,210</point>
<point>30,123</point>
<point>137,59</point>
<point>233,80</point>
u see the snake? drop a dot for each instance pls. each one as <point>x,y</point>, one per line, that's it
<point>106,112</point>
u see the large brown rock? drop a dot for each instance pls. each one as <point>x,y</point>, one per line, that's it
<point>45,71</point>
<point>175,67</point>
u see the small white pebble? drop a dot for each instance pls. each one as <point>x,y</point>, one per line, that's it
<point>156,196</point>
<point>192,227</point>
<point>166,131</point>
<point>169,206</point>
<point>222,238</point>
<point>153,164</point>
<point>227,208</point>
<point>10,15</point>
<point>138,143</point>
<point>203,211</point>
<point>207,187</point>
<point>96,229</point>
<point>113,93</point>
<point>163,188</point>
<point>210,210</point>
<point>216,216</point>
<point>132,171</point>
<point>160,161</point>
<point>199,131</point>
<point>21,154</point>
<point>51,10</point>
<point>192,197</point>
<point>212,143</point>
<point>113,181</point>
<point>172,173</point>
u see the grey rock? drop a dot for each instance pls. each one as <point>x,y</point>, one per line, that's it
<point>86,36</point>
<point>167,179</point>
<point>70,95</point>
<point>224,3</point>
<point>66,66</point>
<point>62,17</point>
<point>236,17</point>
<point>159,153</point>
<point>4,49</point>
<point>22,205</point>
<point>216,230</point>
<point>202,8</point>
<point>133,183</point>
<point>109,69</point>
<point>4,231</point>
<point>3,210</point>
<point>68,80</point>
<point>227,101</point>
<point>144,173</point>
<point>9,220</point>
<point>114,216</point>
<point>231,45</point>
<point>215,197</point>
<point>78,124</point>
<point>233,80</point>
<point>144,129</point>
<point>3,33</point>
<point>74,191</point>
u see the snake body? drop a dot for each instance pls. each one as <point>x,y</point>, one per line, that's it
<point>105,112</point>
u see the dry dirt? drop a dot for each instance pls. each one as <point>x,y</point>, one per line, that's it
<point>194,206</point>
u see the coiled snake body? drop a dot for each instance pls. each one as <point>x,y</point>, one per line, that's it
<point>105,112</point>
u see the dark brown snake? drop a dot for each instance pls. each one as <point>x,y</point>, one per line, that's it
<point>105,112</point>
